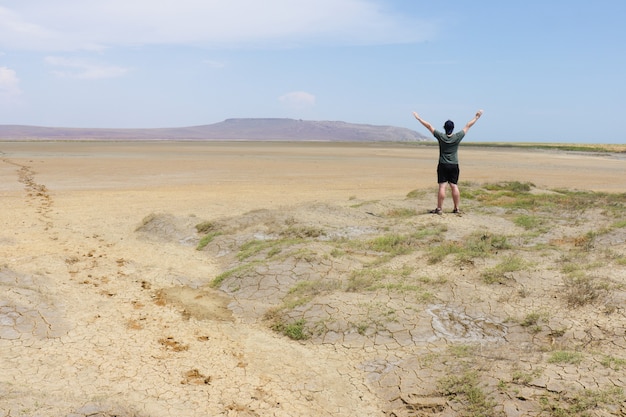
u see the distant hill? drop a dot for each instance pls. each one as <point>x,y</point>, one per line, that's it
<point>230,129</point>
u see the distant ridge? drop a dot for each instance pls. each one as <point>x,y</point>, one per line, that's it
<point>230,129</point>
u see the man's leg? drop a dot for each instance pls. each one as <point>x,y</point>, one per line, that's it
<point>441,195</point>
<point>456,195</point>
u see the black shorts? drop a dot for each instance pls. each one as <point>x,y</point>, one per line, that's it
<point>448,173</point>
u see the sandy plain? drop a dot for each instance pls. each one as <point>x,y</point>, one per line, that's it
<point>107,307</point>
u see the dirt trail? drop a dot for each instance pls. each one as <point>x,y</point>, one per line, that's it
<point>83,329</point>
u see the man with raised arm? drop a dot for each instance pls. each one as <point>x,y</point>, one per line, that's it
<point>448,166</point>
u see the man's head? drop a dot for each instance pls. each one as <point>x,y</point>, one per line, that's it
<point>449,127</point>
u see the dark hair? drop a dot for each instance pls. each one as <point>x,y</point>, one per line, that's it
<point>449,127</point>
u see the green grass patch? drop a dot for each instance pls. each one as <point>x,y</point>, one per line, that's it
<point>272,247</point>
<point>484,243</point>
<point>205,227</point>
<point>254,247</point>
<point>235,272</point>
<point>565,356</point>
<point>524,378</point>
<point>393,244</point>
<point>295,330</point>
<point>531,319</point>
<point>304,291</point>
<point>434,230</point>
<point>497,274</point>
<point>600,148</point>
<point>364,203</point>
<point>619,224</point>
<point>514,187</point>
<point>476,245</point>
<point>517,195</point>
<point>401,213</point>
<point>466,390</point>
<point>462,351</point>
<point>612,362</point>
<point>397,281</point>
<point>413,194</point>
<point>581,403</point>
<point>365,280</point>
<point>303,232</point>
<point>437,253</point>
<point>529,222</point>
<point>206,239</point>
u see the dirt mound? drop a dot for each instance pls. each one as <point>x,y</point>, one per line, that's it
<point>165,227</point>
<point>465,294</point>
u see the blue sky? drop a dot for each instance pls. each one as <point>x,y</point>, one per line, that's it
<point>552,71</point>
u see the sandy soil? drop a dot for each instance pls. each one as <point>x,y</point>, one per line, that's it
<point>107,308</point>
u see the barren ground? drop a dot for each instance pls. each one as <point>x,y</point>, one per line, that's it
<point>272,279</point>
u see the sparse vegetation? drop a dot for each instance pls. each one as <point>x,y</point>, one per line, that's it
<point>524,378</point>
<point>518,196</point>
<point>382,272</point>
<point>271,247</point>
<point>530,222</point>
<point>401,212</point>
<point>206,239</point>
<point>396,281</point>
<point>439,252</point>
<point>581,289</point>
<point>364,280</point>
<point>393,244</point>
<point>619,224</point>
<point>305,291</point>
<point>514,187</point>
<point>416,194</point>
<point>564,356</point>
<point>612,362</point>
<point>580,403</point>
<point>481,244</point>
<point>580,147</point>
<point>237,271</point>
<point>205,227</point>
<point>303,232</point>
<point>531,319</point>
<point>497,274</point>
<point>465,389</point>
<point>294,331</point>
<point>476,245</point>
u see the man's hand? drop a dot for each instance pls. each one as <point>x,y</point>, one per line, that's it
<point>471,122</point>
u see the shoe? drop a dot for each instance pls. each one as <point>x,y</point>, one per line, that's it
<point>456,211</point>
<point>436,211</point>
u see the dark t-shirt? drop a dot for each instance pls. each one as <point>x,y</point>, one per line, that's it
<point>448,146</point>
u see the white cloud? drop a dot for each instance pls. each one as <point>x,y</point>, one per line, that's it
<point>77,68</point>
<point>9,84</point>
<point>298,100</point>
<point>79,24</point>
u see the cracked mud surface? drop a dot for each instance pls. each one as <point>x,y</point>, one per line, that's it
<point>317,294</point>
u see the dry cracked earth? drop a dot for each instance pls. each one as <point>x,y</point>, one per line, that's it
<point>362,307</point>
<point>429,333</point>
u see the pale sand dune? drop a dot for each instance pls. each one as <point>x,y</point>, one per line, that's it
<point>85,330</point>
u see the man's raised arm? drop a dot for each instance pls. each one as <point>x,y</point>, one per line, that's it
<point>471,122</point>
<point>424,122</point>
